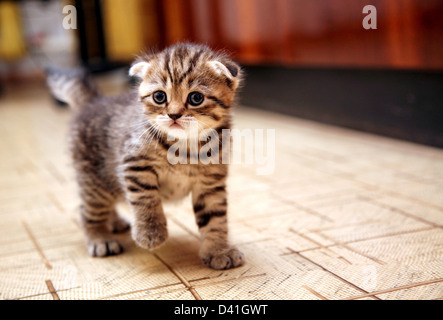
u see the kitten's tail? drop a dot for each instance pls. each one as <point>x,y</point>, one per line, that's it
<point>73,86</point>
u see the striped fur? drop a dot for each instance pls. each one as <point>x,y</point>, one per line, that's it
<point>119,147</point>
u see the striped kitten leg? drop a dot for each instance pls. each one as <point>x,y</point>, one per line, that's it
<point>97,213</point>
<point>141,181</point>
<point>210,205</point>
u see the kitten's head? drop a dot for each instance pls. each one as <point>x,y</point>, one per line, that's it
<point>187,86</point>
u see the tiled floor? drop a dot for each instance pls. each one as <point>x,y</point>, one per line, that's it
<point>345,215</point>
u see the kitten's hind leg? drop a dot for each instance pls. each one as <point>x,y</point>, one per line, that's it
<point>101,242</point>
<point>98,219</point>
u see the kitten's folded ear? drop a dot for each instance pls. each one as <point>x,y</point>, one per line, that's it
<point>139,69</point>
<point>227,68</point>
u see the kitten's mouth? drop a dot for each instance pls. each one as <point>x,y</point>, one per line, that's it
<point>175,125</point>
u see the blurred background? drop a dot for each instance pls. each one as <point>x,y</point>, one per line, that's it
<point>344,215</point>
<point>307,58</point>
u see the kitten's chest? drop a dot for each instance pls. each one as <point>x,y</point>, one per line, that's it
<point>175,184</point>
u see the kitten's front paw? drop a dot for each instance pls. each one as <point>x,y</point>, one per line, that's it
<point>150,236</point>
<point>224,259</point>
<point>104,247</point>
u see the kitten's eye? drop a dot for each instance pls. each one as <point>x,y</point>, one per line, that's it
<point>159,97</point>
<point>195,99</point>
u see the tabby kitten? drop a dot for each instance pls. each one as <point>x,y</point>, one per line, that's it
<point>120,144</point>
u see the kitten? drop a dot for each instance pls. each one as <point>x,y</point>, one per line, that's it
<point>120,144</point>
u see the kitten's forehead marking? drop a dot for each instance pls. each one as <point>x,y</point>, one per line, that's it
<point>181,62</point>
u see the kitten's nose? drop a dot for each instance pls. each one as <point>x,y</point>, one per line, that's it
<point>174,116</point>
